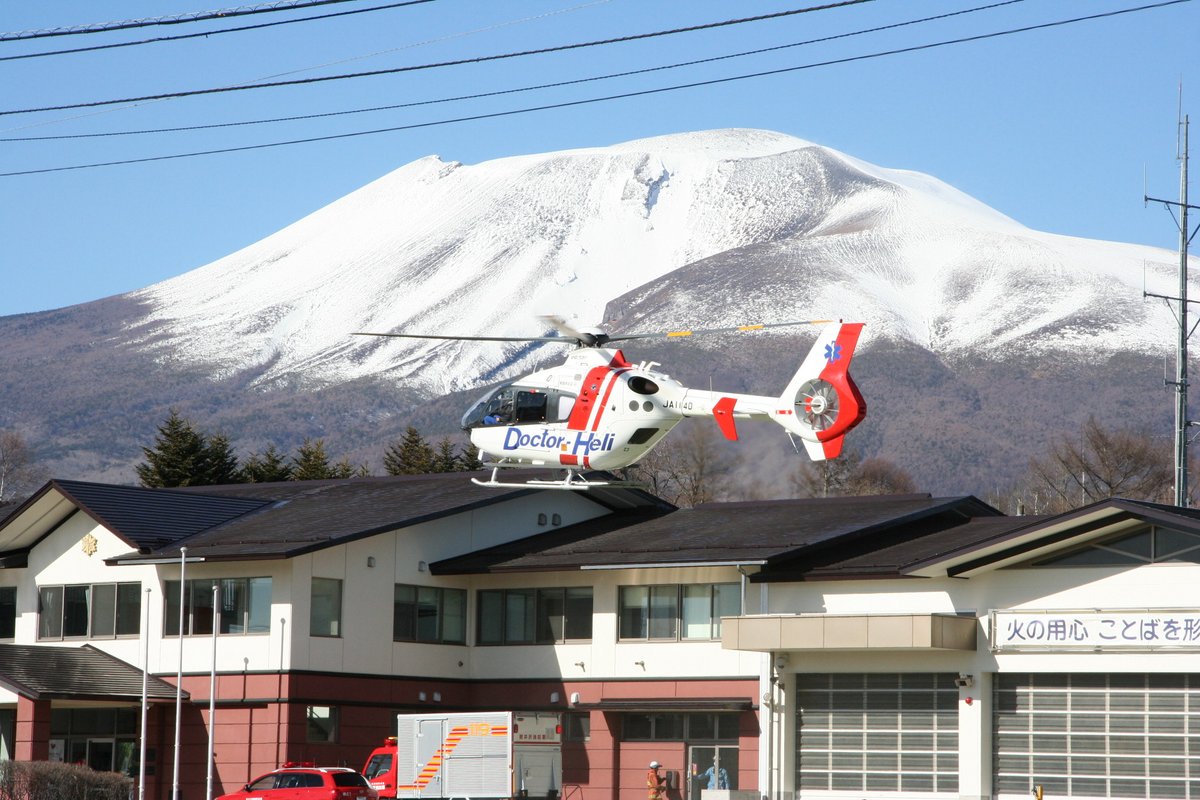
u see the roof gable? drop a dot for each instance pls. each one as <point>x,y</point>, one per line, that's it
<point>145,519</point>
<point>1040,537</point>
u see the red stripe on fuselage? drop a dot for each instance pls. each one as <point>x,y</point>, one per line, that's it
<point>586,403</point>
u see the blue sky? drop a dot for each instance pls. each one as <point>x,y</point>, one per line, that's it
<point>1059,128</point>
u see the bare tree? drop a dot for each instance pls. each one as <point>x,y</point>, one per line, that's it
<point>880,476</point>
<point>851,475</point>
<point>1098,464</point>
<point>828,478</point>
<point>19,473</point>
<point>685,469</point>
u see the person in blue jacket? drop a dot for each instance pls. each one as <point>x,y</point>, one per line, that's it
<point>716,777</point>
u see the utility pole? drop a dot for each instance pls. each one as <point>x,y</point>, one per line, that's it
<point>1181,316</point>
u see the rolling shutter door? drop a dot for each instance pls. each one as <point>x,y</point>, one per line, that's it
<point>877,733</point>
<point>1135,735</point>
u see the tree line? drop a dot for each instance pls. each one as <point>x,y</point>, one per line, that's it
<point>688,468</point>
<point>183,455</point>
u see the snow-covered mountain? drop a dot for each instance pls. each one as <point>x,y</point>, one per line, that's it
<point>700,229</point>
<point>442,247</point>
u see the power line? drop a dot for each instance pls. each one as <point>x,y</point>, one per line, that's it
<point>205,34</point>
<point>458,62</point>
<point>174,19</point>
<point>592,100</point>
<point>519,90</point>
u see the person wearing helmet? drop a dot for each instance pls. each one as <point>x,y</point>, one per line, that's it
<point>656,786</point>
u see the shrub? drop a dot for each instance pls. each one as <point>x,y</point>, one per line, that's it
<point>52,780</point>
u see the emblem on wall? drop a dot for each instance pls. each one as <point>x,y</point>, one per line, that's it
<point>89,544</point>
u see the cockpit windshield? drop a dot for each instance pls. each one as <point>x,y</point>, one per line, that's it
<point>517,405</point>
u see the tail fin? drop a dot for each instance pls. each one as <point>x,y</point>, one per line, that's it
<point>821,403</point>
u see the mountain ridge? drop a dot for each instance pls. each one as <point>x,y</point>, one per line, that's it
<point>702,229</point>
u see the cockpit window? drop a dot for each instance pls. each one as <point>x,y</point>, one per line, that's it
<point>517,405</point>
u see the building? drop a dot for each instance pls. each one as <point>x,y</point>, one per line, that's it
<point>905,646</point>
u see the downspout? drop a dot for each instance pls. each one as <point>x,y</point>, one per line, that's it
<point>745,585</point>
<point>769,702</point>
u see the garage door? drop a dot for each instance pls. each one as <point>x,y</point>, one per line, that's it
<point>1098,735</point>
<point>881,733</point>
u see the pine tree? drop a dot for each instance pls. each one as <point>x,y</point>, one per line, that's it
<point>179,456</point>
<point>444,458</point>
<point>311,463</point>
<point>221,463</point>
<point>469,459</point>
<point>270,467</point>
<point>412,455</point>
<point>344,469</point>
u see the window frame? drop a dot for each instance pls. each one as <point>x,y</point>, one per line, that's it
<point>448,604</point>
<point>83,611</point>
<point>239,615</point>
<point>678,726</point>
<point>664,613</point>
<point>537,626</point>
<point>331,628</point>
<point>312,725</point>
<point>8,622</point>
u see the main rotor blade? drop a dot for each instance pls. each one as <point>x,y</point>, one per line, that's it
<point>700,331</point>
<point>559,339</point>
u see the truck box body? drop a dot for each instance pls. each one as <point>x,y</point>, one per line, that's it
<point>470,755</point>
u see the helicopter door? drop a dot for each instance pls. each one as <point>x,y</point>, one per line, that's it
<point>530,407</point>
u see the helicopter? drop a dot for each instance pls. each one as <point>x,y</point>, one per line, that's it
<point>597,411</point>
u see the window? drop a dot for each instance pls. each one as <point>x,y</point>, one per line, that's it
<point>665,726</point>
<point>577,726</point>
<point>104,738</point>
<point>1149,545</point>
<point>97,611</point>
<point>243,606</point>
<point>325,614</point>
<point>673,612</point>
<point>322,723</point>
<point>8,612</point>
<point>429,614</point>
<point>510,405</point>
<point>534,616</point>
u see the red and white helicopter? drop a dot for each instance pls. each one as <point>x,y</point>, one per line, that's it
<point>598,411</point>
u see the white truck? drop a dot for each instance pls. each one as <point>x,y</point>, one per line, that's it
<point>484,754</point>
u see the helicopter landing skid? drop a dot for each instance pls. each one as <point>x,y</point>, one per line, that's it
<point>572,480</point>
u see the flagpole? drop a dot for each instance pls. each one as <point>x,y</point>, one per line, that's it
<point>212,691</point>
<point>179,675</point>
<point>145,677</point>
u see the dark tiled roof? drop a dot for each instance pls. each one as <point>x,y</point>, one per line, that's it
<point>151,518</point>
<point>746,533</point>
<point>892,553</point>
<point>297,517</point>
<point>36,671</point>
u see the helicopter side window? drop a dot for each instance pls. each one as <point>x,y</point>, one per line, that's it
<point>564,405</point>
<point>642,385</point>
<point>530,407</point>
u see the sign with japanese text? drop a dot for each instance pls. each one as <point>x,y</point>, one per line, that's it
<point>1096,630</point>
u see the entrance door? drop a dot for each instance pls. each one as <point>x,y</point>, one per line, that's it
<point>711,767</point>
<point>100,754</point>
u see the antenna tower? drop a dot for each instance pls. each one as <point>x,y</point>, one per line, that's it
<point>1179,305</point>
